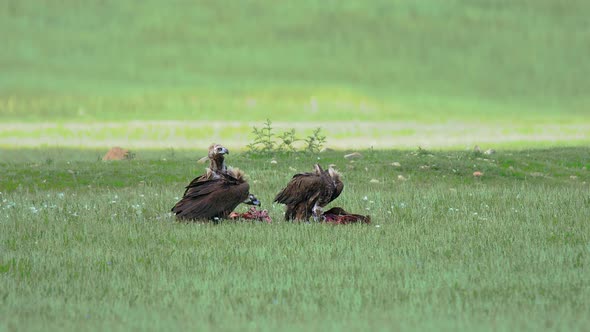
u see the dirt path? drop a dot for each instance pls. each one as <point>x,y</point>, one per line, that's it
<point>343,135</point>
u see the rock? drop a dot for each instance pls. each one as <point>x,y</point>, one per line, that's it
<point>490,152</point>
<point>477,174</point>
<point>396,164</point>
<point>476,149</point>
<point>326,150</point>
<point>374,181</point>
<point>354,155</point>
<point>117,153</point>
<point>401,178</point>
<point>273,161</point>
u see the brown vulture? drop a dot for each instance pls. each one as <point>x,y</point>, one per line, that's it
<point>307,193</point>
<point>215,194</point>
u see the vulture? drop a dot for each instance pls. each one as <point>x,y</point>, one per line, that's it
<point>307,193</point>
<point>215,194</point>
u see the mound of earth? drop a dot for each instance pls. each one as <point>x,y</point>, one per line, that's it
<point>117,153</point>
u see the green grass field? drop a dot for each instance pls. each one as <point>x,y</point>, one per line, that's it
<point>90,244</point>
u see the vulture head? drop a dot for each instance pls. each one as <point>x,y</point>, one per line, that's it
<point>252,200</point>
<point>334,175</point>
<point>216,156</point>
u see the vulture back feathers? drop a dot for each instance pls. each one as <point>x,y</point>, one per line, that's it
<point>307,193</point>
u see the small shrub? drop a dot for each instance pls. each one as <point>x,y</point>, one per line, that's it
<point>287,140</point>
<point>264,142</point>
<point>423,152</point>
<point>315,142</point>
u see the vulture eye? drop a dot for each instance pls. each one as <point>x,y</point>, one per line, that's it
<point>219,149</point>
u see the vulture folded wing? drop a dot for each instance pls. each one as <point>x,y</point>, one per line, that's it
<point>208,199</point>
<point>194,183</point>
<point>300,189</point>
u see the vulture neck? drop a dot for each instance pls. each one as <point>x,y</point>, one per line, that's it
<point>217,164</point>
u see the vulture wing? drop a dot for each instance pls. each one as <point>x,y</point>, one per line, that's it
<point>194,183</point>
<point>307,193</point>
<point>209,175</point>
<point>301,188</point>
<point>211,198</point>
<point>302,193</point>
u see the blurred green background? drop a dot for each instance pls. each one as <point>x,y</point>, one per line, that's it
<point>516,69</point>
<point>87,245</point>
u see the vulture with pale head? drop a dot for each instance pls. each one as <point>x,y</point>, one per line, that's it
<point>215,194</point>
<point>307,193</point>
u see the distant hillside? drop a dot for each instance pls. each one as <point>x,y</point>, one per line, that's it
<point>371,60</point>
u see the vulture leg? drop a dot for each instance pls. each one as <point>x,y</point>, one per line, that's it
<point>289,213</point>
<point>317,213</point>
<point>301,212</point>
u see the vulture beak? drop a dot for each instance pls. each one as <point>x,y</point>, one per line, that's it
<point>252,200</point>
<point>221,150</point>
